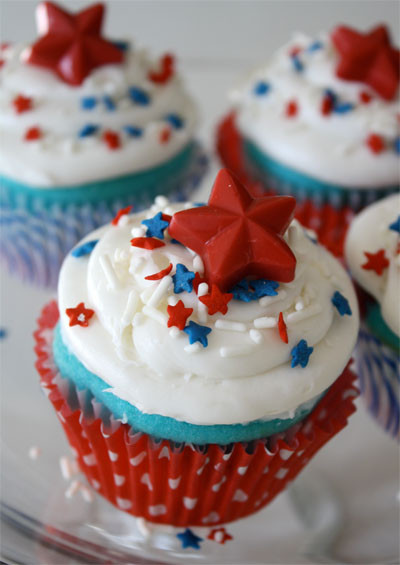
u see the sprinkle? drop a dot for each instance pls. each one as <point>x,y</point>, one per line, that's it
<point>301,354</point>
<point>265,322</point>
<point>33,134</point>
<point>160,291</point>
<point>72,489</point>
<point>160,274</point>
<point>295,317</point>
<point>397,145</point>
<point>112,140</point>
<point>143,527</point>
<point>241,291</point>
<point>198,265</point>
<point>109,103</point>
<point>256,336</point>
<point>86,493</point>
<point>196,332</point>
<point>3,333</point>
<point>22,104</point>
<point>326,105</point>
<point>216,301</point>
<point>165,135</point>
<point>264,287</point>
<point>84,249</point>
<point>34,452</point>
<point>364,97</point>
<point>79,316</point>
<point>88,102</point>
<point>198,280</point>
<point>133,131</point>
<point>174,332</point>
<point>121,45</point>
<point>161,201</point>
<point>191,348</point>
<point>109,272</point>
<point>341,304</point>
<point>130,308</point>
<point>147,243</point>
<point>139,96</point>
<point>291,109</point>
<point>343,107</point>
<point>176,121</point>
<point>189,539</point>
<point>267,300</point>
<point>377,262</point>
<point>395,226</point>
<point>219,535</point>
<point>295,50</point>
<point>178,315</point>
<point>202,289</point>
<point>375,143</point>
<point>156,226</point>
<point>315,46</point>
<point>183,279</point>
<point>120,213</point>
<point>261,88</point>
<point>87,130</point>
<point>155,314</point>
<point>68,468</point>
<point>230,326</point>
<point>297,64</point>
<point>166,71</point>
<point>282,329</point>
<point>236,350</point>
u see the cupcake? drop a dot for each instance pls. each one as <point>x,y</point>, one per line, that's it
<point>372,253</point>
<point>89,126</point>
<point>197,357</point>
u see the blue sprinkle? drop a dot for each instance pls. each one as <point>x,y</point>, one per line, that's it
<point>300,354</point>
<point>196,332</point>
<point>3,333</point>
<point>331,94</point>
<point>85,248</point>
<point>133,131</point>
<point>341,304</point>
<point>175,120</point>
<point>109,103</point>
<point>183,279</point>
<point>343,107</point>
<point>396,225</point>
<point>139,96</point>
<point>189,539</point>
<point>155,226</point>
<point>264,287</point>
<point>88,102</point>
<point>199,204</point>
<point>397,145</point>
<point>176,242</point>
<point>261,88</point>
<point>316,46</point>
<point>88,129</point>
<point>122,45</point>
<point>297,64</point>
<point>241,291</point>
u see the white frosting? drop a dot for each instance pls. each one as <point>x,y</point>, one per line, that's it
<point>61,157</point>
<point>330,148</point>
<point>244,374</point>
<point>370,232</point>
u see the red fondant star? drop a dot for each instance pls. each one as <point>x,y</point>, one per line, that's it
<point>79,316</point>
<point>282,329</point>
<point>216,301</point>
<point>369,58</point>
<point>71,44</point>
<point>238,235</point>
<point>220,535</point>
<point>33,133</point>
<point>178,315</point>
<point>197,281</point>
<point>22,104</point>
<point>111,139</point>
<point>377,262</point>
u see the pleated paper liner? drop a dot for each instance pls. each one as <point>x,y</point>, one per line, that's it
<point>183,484</point>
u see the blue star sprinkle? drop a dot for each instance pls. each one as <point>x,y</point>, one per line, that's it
<point>241,291</point>
<point>156,226</point>
<point>3,333</point>
<point>264,287</point>
<point>396,225</point>
<point>139,96</point>
<point>316,46</point>
<point>189,539</point>
<point>183,279</point>
<point>88,103</point>
<point>176,121</point>
<point>133,131</point>
<point>261,88</point>
<point>343,107</point>
<point>297,64</point>
<point>196,332</point>
<point>122,45</point>
<point>85,248</point>
<point>341,304</point>
<point>397,145</point>
<point>300,354</point>
<point>88,129</point>
<point>109,103</point>
<point>246,291</point>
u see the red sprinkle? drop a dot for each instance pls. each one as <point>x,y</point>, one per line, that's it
<point>112,139</point>
<point>33,133</point>
<point>166,71</point>
<point>282,328</point>
<point>1,62</point>
<point>365,97</point>
<point>165,135</point>
<point>326,106</point>
<point>377,262</point>
<point>197,281</point>
<point>22,104</point>
<point>178,315</point>
<point>375,143</point>
<point>4,45</point>
<point>216,301</point>
<point>79,316</point>
<point>291,109</point>
<point>295,51</point>
<point>120,213</point>
<point>147,242</point>
<point>160,274</point>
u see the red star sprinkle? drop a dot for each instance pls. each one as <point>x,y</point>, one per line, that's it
<point>166,71</point>
<point>119,215</point>
<point>71,44</point>
<point>79,316</point>
<point>291,109</point>
<point>369,58</point>
<point>147,242</point>
<point>165,135</point>
<point>32,134</point>
<point>377,262</point>
<point>282,329</point>
<point>375,143</point>
<point>216,301</point>
<point>111,139</point>
<point>197,281</point>
<point>365,97</point>
<point>160,274</point>
<point>237,234</point>
<point>220,535</point>
<point>178,315</point>
<point>22,104</point>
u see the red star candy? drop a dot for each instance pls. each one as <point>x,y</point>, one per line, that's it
<point>119,215</point>
<point>22,104</point>
<point>220,535</point>
<point>71,45</point>
<point>369,58</point>
<point>147,242</point>
<point>237,234</point>
<point>79,316</point>
<point>377,262</point>
<point>197,281</point>
<point>178,315</point>
<point>375,143</point>
<point>33,133</point>
<point>160,274</point>
<point>365,97</point>
<point>166,71</point>
<point>216,301</point>
<point>291,109</point>
<point>282,329</point>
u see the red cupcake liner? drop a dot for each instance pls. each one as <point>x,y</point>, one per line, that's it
<point>184,484</point>
<point>329,223</point>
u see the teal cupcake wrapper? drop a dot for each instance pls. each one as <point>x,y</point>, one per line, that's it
<point>284,180</point>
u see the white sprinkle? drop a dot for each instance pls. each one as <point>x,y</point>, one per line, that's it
<point>267,300</point>
<point>203,289</point>
<point>295,317</point>
<point>160,291</point>
<point>202,313</point>
<point>188,205</point>
<point>137,319</point>
<point>120,255</point>
<point>192,347</point>
<point>34,452</point>
<point>143,527</point>
<point>173,300</point>
<point>138,231</point>
<point>86,493</point>
<point>198,264</point>
<point>72,489</point>
<point>155,314</point>
<point>123,221</point>
<point>169,211</point>
<point>161,201</point>
<point>68,468</point>
<point>130,308</point>
<point>136,264</point>
<point>299,305</point>
<point>174,332</point>
<point>230,326</point>
<point>109,272</point>
<point>265,322</point>
<point>236,351</point>
<point>256,336</point>
<point>147,293</point>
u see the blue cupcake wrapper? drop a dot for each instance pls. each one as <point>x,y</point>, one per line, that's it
<point>284,180</point>
<point>378,369</point>
<point>39,227</point>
